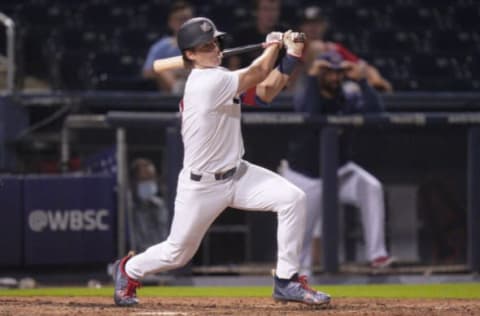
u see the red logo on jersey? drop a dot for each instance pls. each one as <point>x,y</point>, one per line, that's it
<point>180,105</point>
<point>248,97</point>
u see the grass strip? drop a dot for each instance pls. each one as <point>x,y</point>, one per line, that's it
<point>454,290</point>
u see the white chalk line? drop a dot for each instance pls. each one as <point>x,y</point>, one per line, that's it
<point>164,313</point>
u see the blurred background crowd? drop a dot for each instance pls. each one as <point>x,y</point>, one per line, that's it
<point>103,44</point>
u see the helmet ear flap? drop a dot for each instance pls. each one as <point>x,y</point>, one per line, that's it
<point>221,42</point>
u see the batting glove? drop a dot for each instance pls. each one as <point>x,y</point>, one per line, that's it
<point>294,42</point>
<point>273,38</point>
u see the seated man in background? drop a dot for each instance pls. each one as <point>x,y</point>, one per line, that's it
<point>265,19</point>
<point>315,26</point>
<point>147,213</point>
<point>327,91</point>
<point>172,81</point>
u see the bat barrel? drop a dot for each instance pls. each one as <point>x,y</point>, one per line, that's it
<point>176,62</point>
<point>242,49</point>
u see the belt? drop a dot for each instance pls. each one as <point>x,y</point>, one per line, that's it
<point>218,176</point>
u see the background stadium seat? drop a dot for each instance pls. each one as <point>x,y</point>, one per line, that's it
<point>415,43</point>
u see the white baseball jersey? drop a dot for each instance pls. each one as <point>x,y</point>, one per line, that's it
<point>211,127</point>
<point>213,143</point>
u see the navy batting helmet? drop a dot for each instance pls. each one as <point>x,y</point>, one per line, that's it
<point>195,32</point>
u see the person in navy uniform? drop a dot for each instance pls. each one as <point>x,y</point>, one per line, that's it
<point>329,91</point>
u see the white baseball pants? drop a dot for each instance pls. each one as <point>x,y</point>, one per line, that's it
<point>356,187</point>
<point>198,203</point>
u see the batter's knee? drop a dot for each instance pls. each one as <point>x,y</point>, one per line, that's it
<point>375,185</point>
<point>369,180</point>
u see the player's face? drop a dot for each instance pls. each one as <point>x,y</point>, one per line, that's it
<point>179,17</point>
<point>314,30</point>
<point>331,79</point>
<point>146,172</point>
<point>268,13</point>
<point>207,55</point>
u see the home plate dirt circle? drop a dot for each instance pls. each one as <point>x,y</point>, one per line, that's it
<point>233,306</point>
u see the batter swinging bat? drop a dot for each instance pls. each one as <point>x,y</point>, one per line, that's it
<point>177,61</point>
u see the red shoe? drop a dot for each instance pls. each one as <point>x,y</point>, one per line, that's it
<point>125,287</point>
<point>296,289</point>
<point>382,262</point>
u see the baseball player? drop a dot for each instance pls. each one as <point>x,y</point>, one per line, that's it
<point>214,175</point>
<point>329,92</point>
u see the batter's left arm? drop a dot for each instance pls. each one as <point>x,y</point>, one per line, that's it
<point>269,88</point>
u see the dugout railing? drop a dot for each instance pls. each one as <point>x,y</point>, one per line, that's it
<point>328,145</point>
<point>8,60</point>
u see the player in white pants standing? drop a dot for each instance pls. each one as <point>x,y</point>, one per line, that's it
<point>357,187</point>
<point>328,91</point>
<point>214,175</point>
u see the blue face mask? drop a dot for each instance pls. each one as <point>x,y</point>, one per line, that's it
<point>146,189</point>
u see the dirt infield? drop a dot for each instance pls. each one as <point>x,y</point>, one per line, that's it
<point>232,306</point>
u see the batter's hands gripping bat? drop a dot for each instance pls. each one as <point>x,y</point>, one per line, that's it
<point>176,62</point>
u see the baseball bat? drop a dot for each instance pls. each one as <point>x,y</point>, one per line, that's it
<point>176,62</point>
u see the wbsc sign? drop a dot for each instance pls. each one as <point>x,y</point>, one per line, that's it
<point>68,220</point>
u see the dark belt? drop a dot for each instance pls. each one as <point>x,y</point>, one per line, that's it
<point>218,176</point>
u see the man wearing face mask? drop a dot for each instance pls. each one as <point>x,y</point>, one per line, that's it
<point>148,213</point>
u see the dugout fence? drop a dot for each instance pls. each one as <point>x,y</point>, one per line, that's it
<point>469,122</point>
